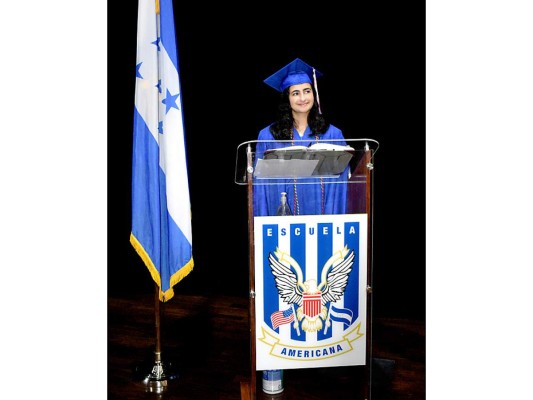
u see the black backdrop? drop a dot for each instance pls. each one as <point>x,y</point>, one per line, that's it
<point>373,60</point>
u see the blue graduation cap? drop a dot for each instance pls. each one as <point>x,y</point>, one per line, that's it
<point>294,73</point>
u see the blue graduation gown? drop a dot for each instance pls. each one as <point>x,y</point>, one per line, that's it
<point>305,196</point>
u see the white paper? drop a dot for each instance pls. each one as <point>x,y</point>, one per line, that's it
<point>280,168</point>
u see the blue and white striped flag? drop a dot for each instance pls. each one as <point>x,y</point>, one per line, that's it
<point>161,211</point>
<point>344,315</point>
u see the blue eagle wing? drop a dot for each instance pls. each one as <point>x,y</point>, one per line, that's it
<point>286,282</point>
<point>337,279</point>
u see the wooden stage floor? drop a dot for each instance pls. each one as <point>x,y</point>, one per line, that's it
<point>205,349</point>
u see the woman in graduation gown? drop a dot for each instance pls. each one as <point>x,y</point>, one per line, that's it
<point>300,122</point>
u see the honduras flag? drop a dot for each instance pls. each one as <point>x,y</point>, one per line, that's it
<point>344,315</point>
<point>161,212</point>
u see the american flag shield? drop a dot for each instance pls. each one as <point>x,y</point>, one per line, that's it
<point>312,304</point>
<point>315,265</point>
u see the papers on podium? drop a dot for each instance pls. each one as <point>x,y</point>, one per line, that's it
<point>317,160</point>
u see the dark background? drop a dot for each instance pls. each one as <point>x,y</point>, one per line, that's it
<point>372,58</point>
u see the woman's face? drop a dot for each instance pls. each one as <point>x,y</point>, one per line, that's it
<point>301,97</point>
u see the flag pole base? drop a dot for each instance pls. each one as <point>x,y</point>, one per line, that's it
<point>158,377</point>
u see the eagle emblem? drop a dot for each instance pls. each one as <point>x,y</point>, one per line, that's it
<point>311,297</point>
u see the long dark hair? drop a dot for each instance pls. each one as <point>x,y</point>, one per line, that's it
<point>282,127</point>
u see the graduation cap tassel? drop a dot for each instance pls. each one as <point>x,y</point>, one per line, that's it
<point>316,90</point>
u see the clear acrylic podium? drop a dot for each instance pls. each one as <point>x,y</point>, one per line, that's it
<point>310,273</point>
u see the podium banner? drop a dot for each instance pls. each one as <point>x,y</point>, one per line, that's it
<point>310,284</point>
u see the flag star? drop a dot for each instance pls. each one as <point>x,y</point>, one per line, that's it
<point>170,101</point>
<point>160,127</point>
<point>137,73</point>
<point>156,42</point>
<point>158,86</point>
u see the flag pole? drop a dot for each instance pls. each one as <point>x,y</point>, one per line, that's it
<point>159,211</point>
<point>156,380</point>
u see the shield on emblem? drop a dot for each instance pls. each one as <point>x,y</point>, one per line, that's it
<point>312,304</point>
